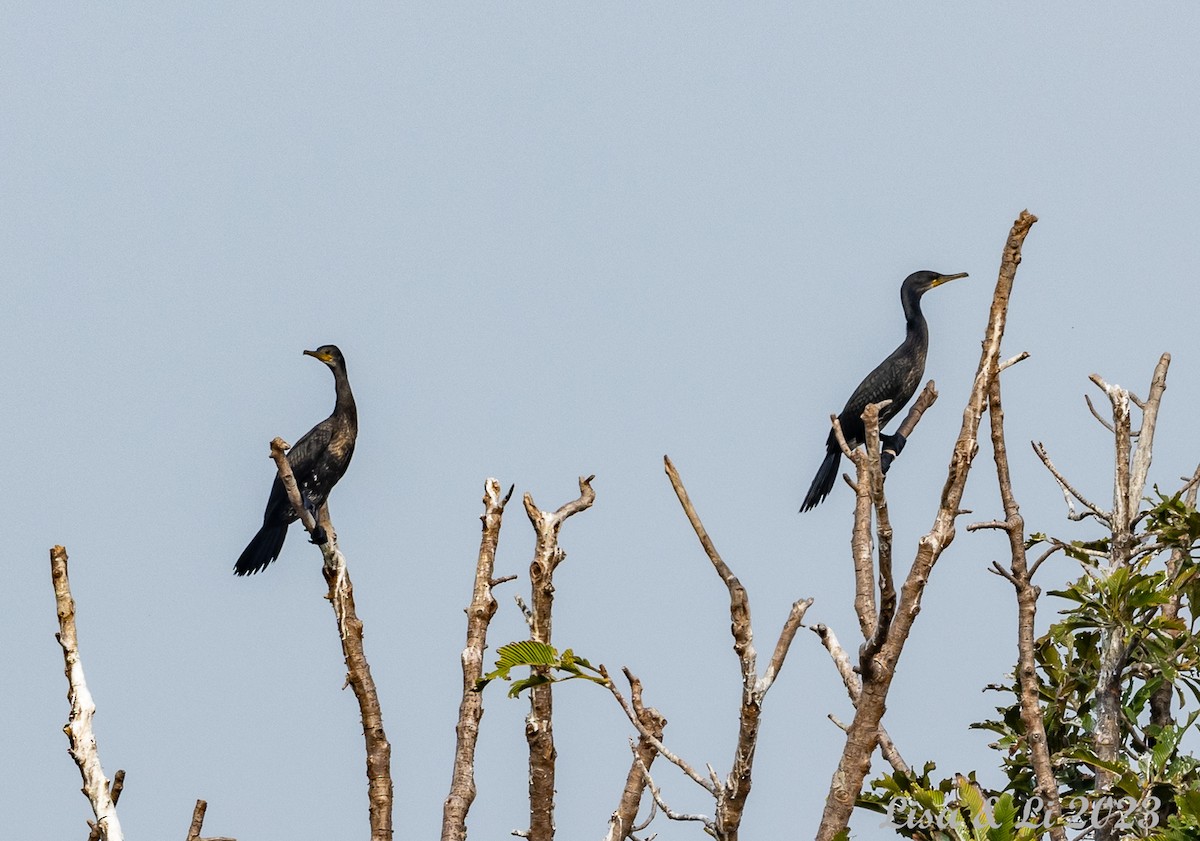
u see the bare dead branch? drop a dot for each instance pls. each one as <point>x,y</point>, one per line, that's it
<point>470,710</point>
<point>861,548</point>
<point>622,822</point>
<point>925,399</point>
<point>1106,424</point>
<point>656,793</point>
<point>869,498</point>
<point>79,731</point>
<point>999,570</point>
<point>350,631</point>
<point>198,824</point>
<point>863,735</point>
<point>788,633</point>
<point>647,734</point>
<point>539,725</point>
<point>1020,576</point>
<point>1041,558</point>
<point>731,795</point>
<point>1008,363</point>
<point>839,436</point>
<point>841,660</point>
<point>118,785</point>
<point>1145,448</point>
<point>883,530</point>
<point>1069,490</point>
<point>990,524</point>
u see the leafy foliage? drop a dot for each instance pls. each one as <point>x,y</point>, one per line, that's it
<point>541,659</point>
<point>1151,602</point>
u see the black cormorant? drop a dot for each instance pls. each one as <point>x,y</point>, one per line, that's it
<point>896,379</point>
<point>318,460</point>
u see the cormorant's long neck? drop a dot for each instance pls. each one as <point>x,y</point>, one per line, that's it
<point>344,407</point>
<point>917,331</point>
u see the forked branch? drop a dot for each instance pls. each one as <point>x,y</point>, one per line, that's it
<point>539,725</point>
<point>732,793</point>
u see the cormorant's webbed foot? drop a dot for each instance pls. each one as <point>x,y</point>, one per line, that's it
<point>890,447</point>
<point>319,537</point>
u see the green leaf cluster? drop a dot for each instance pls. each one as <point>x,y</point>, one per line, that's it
<point>543,660</point>
<point>1162,650</point>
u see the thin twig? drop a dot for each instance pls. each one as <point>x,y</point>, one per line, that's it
<point>651,739</point>
<point>1106,424</point>
<point>656,793</point>
<point>1067,488</point>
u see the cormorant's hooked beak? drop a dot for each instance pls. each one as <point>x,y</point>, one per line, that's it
<point>945,278</point>
<point>324,357</point>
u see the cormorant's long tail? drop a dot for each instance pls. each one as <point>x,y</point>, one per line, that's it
<point>822,484</point>
<point>264,548</point>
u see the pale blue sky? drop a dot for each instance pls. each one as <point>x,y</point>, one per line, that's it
<point>551,240</point>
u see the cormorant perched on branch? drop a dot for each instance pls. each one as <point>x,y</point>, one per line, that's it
<point>896,379</point>
<point>318,460</point>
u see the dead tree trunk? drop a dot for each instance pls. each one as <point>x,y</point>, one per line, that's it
<point>539,725</point>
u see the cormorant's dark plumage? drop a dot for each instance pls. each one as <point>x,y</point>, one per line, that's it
<point>318,460</point>
<point>895,379</point>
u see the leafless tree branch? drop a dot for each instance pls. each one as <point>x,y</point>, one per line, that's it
<point>470,710</point>
<point>656,793</point>
<point>1020,576</point>
<point>925,399</point>
<point>1106,424</point>
<point>731,795</point>
<point>198,824</point>
<point>118,785</point>
<point>622,822</point>
<point>871,474</point>
<point>861,548</point>
<point>1008,363</point>
<point>841,660</point>
<point>358,670</point>
<point>1069,491</point>
<point>79,731</point>
<point>1145,449</point>
<point>651,739</point>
